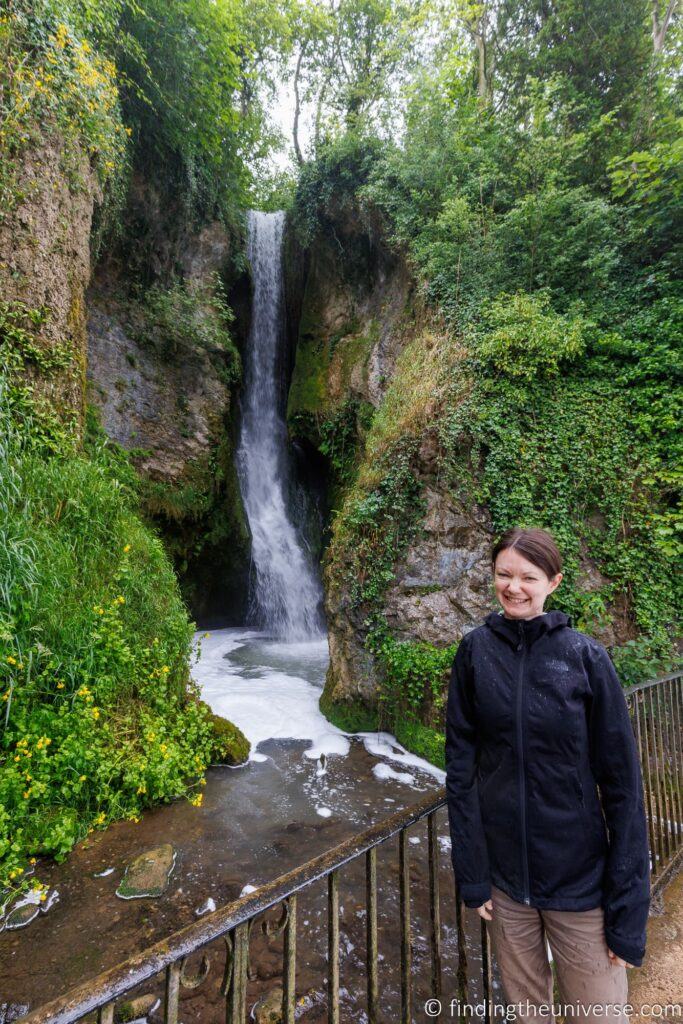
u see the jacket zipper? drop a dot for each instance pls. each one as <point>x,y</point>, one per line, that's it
<point>521,767</point>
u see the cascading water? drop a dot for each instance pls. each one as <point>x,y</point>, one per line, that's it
<point>286,594</point>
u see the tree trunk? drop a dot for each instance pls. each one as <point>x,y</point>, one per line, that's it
<point>660,25</point>
<point>297,108</point>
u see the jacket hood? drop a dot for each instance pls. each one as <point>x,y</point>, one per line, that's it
<point>515,631</point>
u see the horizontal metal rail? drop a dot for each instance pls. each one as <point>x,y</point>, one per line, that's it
<point>106,988</point>
<point>657,712</point>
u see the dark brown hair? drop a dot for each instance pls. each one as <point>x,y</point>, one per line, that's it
<point>538,546</point>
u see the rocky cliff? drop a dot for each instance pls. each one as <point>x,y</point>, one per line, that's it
<point>364,330</point>
<point>45,224</point>
<point>163,370</point>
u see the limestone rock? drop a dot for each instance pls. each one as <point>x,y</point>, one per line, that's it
<point>443,583</point>
<point>148,874</point>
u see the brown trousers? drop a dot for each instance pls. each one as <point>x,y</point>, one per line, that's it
<point>585,975</point>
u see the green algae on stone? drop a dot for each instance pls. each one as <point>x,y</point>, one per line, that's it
<point>231,746</point>
<point>148,874</point>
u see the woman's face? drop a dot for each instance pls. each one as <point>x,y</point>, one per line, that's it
<point>521,587</point>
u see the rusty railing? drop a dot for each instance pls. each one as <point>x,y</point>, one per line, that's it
<point>657,714</point>
<point>656,710</point>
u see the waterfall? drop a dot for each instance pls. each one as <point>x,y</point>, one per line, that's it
<point>285,591</point>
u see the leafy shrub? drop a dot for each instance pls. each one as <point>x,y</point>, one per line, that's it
<point>520,336</point>
<point>97,720</point>
<point>177,318</point>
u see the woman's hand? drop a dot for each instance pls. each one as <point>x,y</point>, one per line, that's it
<point>615,961</point>
<point>486,911</point>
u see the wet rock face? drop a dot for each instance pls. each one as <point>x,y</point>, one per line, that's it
<point>360,309</point>
<point>148,874</point>
<point>176,404</point>
<point>172,408</point>
<point>45,258</point>
<point>443,584</point>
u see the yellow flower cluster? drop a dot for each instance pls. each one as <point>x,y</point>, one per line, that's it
<point>197,800</point>
<point>43,742</point>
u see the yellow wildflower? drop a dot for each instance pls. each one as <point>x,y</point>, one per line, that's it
<point>96,713</point>
<point>27,794</point>
<point>82,778</point>
<point>60,686</point>
<point>100,819</point>
<point>165,669</point>
<point>32,860</point>
<point>126,549</point>
<point>11,660</point>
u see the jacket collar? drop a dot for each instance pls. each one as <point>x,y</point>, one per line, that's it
<point>518,631</point>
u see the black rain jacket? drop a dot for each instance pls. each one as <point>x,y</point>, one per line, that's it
<point>536,722</point>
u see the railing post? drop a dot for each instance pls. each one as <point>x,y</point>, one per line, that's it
<point>105,1014</point>
<point>486,970</point>
<point>434,908</point>
<point>677,729</point>
<point>172,993</point>
<point>237,997</point>
<point>333,947</point>
<point>289,986</point>
<point>371,958</point>
<point>462,948</point>
<point>404,899</point>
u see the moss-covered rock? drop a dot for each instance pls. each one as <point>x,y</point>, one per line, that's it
<point>348,715</point>
<point>230,745</point>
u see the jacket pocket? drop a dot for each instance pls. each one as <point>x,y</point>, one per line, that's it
<point>591,819</point>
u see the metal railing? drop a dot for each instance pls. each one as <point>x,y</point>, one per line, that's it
<point>235,921</point>
<point>657,713</point>
<point>656,710</point>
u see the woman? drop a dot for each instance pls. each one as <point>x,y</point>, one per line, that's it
<point>536,723</point>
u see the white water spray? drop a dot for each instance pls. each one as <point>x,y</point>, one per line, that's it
<point>286,593</point>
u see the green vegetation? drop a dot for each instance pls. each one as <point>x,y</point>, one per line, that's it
<point>175,319</point>
<point>94,644</point>
<point>538,200</point>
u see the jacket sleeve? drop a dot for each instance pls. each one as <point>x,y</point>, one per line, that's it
<point>616,768</point>
<point>470,856</point>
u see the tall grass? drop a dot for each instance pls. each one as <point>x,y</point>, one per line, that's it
<point>97,716</point>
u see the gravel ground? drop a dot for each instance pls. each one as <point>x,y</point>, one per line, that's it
<point>659,982</point>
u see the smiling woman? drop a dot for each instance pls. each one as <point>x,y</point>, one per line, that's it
<point>558,847</point>
<point>527,570</point>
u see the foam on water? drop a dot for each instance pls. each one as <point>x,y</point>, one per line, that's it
<point>270,689</point>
